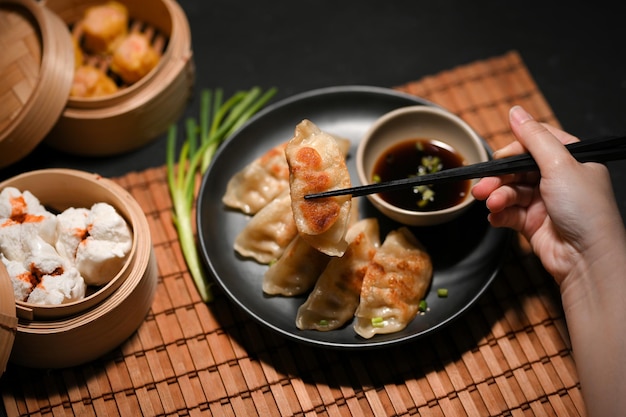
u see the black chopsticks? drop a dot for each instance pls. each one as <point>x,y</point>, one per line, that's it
<point>590,150</point>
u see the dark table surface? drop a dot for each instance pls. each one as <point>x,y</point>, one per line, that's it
<point>575,55</point>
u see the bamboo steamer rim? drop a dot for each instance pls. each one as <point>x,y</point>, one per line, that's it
<point>8,319</point>
<point>172,64</point>
<point>174,36</point>
<point>116,196</point>
<point>137,115</point>
<point>78,338</point>
<point>38,111</point>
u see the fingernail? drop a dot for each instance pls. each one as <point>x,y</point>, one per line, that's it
<point>501,152</point>
<point>519,115</point>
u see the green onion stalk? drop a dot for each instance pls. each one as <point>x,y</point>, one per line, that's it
<point>218,119</point>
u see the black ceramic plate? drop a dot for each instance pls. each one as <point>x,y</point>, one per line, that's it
<point>466,253</point>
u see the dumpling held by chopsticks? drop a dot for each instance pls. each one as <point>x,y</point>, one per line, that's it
<point>316,164</point>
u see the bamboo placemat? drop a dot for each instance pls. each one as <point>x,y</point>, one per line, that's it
<point>509,355</point>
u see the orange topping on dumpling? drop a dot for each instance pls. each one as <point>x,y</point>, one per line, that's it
<point>104,26</point>
<point>89,81</point>
<point>134,58</point>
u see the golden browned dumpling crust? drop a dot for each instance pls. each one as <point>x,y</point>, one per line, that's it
<point>335,296</point>
<point>317,163</point>
<point>395,282</point>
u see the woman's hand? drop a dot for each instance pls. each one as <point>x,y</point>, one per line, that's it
<point>569,215</point>
<point>564,212</point>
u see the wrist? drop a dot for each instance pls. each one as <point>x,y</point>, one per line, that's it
<point>598,275</point>
<point>592,294</point>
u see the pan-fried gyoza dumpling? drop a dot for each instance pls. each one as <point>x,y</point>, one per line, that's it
<point>299,267</point>
<point>335,296</point>
<point>316,164</point>
<point>259,182</point>
<point>296,271</point>
<point>395,282</point>
<point>268,232</point>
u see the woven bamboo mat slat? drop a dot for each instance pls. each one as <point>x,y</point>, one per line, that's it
<point>508,355</point>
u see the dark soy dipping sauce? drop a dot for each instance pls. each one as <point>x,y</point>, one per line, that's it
<point>403,159</point>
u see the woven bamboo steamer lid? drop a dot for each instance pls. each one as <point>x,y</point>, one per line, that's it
<point>36,68</point>
<point>89,328</point>
<point>136,114</point>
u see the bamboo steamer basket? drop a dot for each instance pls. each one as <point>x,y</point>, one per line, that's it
<point>8,320</point>
<point>81,331</point>
<point>121,122</point>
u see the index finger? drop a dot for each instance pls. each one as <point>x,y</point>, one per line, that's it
<point>516,148</point>
<point>543,142</point>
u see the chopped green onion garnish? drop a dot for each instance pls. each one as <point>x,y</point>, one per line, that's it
<point>428,194</point>
<point>323,322</point>
<point>431,164</point>
<point>423,306</point>
<point>376,178</point>
<point>442,292</point>
<point>378,322</point>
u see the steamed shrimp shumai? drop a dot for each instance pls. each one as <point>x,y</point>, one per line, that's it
<point>90,82</point>
<point>104,26</point>
<point>134,58</point>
